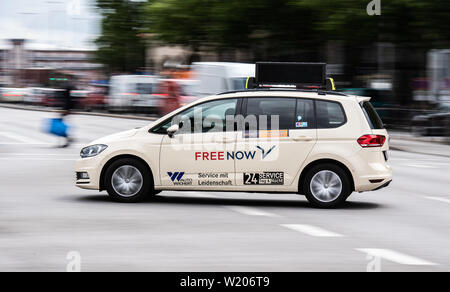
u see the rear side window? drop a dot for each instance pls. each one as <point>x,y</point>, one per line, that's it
<point>305,118</point>
<point>283,108</point>
<point>372,116</point>
<point>329,114</point>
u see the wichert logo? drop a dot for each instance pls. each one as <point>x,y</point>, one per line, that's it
<point>264,152</point>
<point>176,176</point>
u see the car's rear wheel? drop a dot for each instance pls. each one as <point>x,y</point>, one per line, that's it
<point>327,186</point>
<point>128,180</point>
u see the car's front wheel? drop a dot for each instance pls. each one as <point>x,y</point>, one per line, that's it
<point>327,186</point>
<point>128,181</point>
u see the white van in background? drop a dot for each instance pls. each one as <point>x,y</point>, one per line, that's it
<point>14,95</point>
<point>217,77</point>
<point>133,92</point>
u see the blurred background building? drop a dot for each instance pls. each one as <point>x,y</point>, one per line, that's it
<point>400,57</point>
<point>23,65</point>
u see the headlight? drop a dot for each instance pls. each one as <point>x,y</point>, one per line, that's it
<point>92,151</point>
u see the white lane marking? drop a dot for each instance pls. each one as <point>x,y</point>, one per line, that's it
<point>21,138</point>
<point>72,146</point>
<point>201,195</point>
<point>439,199</point>
<point>38,159</point>
<point>312,230</point>
<point>395,257</point>
<point>36,154</point>
<point>249,211</point>
<point>421,166</point>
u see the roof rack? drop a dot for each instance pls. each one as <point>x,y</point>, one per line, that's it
<point>318,91</point>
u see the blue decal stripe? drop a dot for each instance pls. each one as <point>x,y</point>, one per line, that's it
<point>176,176</point>
<point>180,176</point>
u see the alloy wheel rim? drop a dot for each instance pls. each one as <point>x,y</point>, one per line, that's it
<point>127,181</point>
<point>326,186</point>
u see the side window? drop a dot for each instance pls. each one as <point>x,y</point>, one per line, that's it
<point>329,114</point>
<point>273,108</point>
<point>206,117</point>
<point>144,88</point>
<point>305,117</point>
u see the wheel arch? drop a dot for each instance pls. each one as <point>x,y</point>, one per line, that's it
<point>118,157</point>
<point>324,161</point>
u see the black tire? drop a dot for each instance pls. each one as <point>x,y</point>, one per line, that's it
<point>344,193</point>
<point>144,192</point>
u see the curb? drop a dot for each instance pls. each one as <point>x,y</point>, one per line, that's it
<point>129,117</point>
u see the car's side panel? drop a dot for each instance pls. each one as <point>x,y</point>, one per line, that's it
<point>338,144</point>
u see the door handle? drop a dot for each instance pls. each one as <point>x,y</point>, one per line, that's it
<point>303,139</point>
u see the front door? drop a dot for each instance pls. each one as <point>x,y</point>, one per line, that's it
<point>197,156</point>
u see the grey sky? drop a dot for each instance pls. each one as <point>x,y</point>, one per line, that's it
<point>50,23</point>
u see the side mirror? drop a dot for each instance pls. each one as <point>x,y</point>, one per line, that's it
<point>172,130</point>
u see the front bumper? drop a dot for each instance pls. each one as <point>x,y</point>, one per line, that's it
<point>91,166</point>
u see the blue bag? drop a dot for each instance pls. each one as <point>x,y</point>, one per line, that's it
<point>57,127</point>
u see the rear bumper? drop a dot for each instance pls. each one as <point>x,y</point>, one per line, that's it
<point>372,171</point>
<point>383,186</point>
<point>375,181</point>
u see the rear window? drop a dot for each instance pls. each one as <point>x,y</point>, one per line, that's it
<point>372,116</point>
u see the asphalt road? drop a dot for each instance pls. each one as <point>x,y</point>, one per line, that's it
<point>44,217</point>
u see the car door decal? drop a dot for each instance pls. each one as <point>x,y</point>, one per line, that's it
<point>263,151</point>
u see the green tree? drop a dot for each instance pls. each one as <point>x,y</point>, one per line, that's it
<point>271,25</point>
<point>420,23</point>
<point>121,46</point>
<point>283,25</point>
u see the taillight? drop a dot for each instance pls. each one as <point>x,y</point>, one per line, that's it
<point>367,141</point>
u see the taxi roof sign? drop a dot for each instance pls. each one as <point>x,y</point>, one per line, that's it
<point>293,74</point>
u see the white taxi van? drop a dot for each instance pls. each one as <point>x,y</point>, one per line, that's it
<point>273,138</point>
